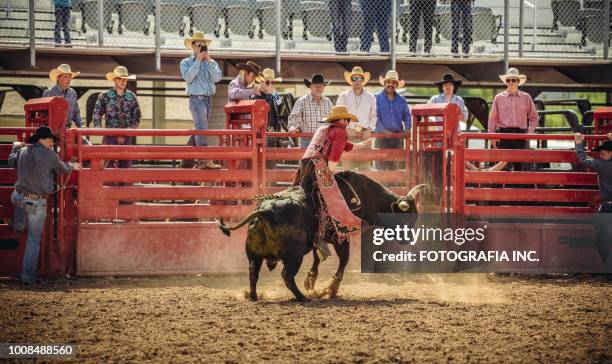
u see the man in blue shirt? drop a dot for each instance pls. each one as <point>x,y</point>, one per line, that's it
<point>62,21</point>
<point>393,116</point>
<point>201,73</point>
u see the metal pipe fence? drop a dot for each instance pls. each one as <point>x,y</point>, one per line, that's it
<point>393,28</point>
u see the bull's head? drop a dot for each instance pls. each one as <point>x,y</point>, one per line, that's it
<point>407,204</point>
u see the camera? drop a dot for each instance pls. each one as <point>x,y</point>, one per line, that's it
<point>203,48</point>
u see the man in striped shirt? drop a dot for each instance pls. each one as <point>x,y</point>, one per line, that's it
<point>309,110</point>
<point>62,76</point>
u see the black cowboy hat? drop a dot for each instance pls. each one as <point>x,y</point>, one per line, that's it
<point>44,132</point>
<point>607,145</point>
<point>316,80</point>
<point>447,77</point>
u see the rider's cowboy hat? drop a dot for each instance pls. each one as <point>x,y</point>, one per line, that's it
<point>44,132</point>
<point>357,71</point>
<point>251,66</point>
<point>392,75</point>
<point>62,69</point>
<point>197,37</point>
<point>339,112</point>
<point>448,77</point>
<point>120,72</point>
<point>316,80</point>
<point>268,75</point>
<point>513,73</point>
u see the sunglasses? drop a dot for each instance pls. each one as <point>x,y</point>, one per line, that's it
<point>511,80</point>
<point>356,79</point>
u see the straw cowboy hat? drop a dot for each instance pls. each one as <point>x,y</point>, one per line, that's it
<point>513,73</point>
<point>447,77</point>
<point>62,69</point>
<point>392,75</point>
<point>251,66</point>
<point>357,71</point>
<point>316,80</point>
<point>120,72</point>
<point>268,74</point>
<point>339,112</point>
<point>197,37</point>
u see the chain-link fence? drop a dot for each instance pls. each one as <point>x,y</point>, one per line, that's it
<point>538,28</point>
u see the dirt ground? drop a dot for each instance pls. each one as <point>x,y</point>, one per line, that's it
<point>375,318</point>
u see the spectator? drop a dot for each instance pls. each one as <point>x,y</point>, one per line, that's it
<point>62,21</point>
<point>603,167</point>
<point>120,108</point>
<point>62,76</point>
<point>341,12</point>
<point>448,87</point>
<point>200,72</point>
<point>461,11</point>
<point>245,84</point>
<point>512,111</point>
<point>35,165</point>
<point>421,9</point>
<point>393,116</point>
<point>268,92</point>
<point>309,110</point>
<point>376,14</point>
<point>362,104</point>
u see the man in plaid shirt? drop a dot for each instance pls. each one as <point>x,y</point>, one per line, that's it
<point>309,110</point>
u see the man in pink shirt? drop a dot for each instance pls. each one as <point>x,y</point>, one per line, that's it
<point>513,111</point>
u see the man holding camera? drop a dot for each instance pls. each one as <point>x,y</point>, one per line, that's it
<point>201,73</point>
<point>35,165</point>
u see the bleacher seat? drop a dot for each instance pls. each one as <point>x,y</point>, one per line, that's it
<point>134,17</point>
<point>239,16</point>
<point>317,20</point>
<point>172,18</point>
<point>89,15</point>
<point>204,16</point>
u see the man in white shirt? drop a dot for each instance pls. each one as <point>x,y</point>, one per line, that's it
<point>362,104</point>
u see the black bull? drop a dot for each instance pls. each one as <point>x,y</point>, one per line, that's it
<point>284,226</point>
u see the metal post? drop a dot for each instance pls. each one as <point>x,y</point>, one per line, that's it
<point>506,31</point>
<point>278,38</point>
<point>521,23</point>
<point>100,23</point>
<point>535,25</point>
<point>157,35</point>
<point>159,110</point>
<point>32,29</point>
<point>393,31</point>
<point>606,39</point>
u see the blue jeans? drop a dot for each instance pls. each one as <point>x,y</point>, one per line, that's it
<point>62,22</point>
<point>376,14</point>
<point>341,14</point>
<point>200,107</point>
<point>461,12</point>
<point>34,212</point>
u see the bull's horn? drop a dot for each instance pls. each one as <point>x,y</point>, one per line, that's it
<point>415,190</point>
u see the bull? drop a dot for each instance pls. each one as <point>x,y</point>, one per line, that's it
<point>284,226</point>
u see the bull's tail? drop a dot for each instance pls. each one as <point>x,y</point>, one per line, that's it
<point>227,229</point>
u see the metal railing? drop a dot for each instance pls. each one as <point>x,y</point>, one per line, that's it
<point>460,28</point>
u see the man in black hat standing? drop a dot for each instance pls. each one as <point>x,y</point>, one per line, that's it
<point>603,167</point>
<point>35,165</point>
<point>310,109</point>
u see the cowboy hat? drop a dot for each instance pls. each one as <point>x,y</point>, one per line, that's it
<point>392,75</point>
<point>513,73</point>
<point>120,72</point>
<point>316,80</point>
<point>357,71</point>
<point>268,74</point>
<point>251,66</point>
<point>448,77</point>
<point>339,112</point>
<point>607,145</point>
<point>62,69</point>
<point>197,37</point>
<point>44,132</point>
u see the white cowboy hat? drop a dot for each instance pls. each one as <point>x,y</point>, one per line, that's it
<point>513,73</point>
<point>268,74</point>
<point>357,71</point>
<point>62,69</point>
<point>197,37</point>
<point>392,75</point>
<point>120,72</point>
